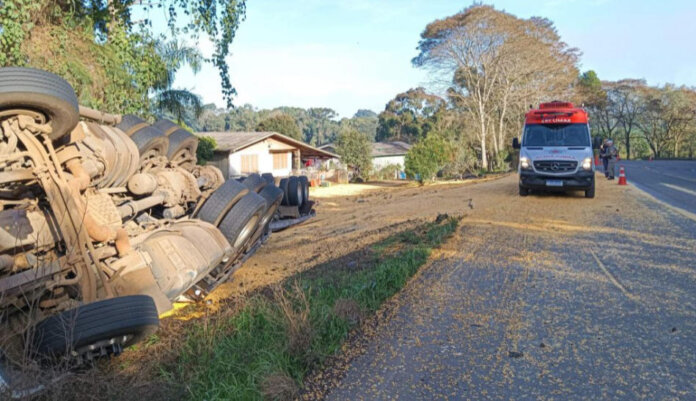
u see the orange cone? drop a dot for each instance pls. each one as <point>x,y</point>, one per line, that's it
<point>596,160</point>
<point>622,176</point>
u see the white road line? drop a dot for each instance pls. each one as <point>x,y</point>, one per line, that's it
<point>643,192</point>
<point>678,188</point>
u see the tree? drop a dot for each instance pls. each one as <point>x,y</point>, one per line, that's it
<point>177,101</point>
<point>427,157</point>
<point>281,123</point>
<point>114,61</point>
<point>495,63</point>
<point>205,150</point>
<point>593,96</point>
<point>365,113</point>
<point>409,116</point>
<point>355,151</point>
<point>365,121</point>
<point>626,98</point>
<point>321,126</point>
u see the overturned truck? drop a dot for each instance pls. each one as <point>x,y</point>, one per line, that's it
<point>105,220</point>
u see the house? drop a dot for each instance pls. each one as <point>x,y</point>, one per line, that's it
<point>243,153</point>
<point>382,153</point>
<point>389,153</point>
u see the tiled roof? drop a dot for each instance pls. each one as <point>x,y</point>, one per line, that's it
<point>235,141</point>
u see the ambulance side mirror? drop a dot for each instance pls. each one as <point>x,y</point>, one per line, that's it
<point>596,142</point>
<point>515,143</point>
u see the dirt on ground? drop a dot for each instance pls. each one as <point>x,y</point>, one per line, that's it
<point>350,217</point>
<point>534,298</point>
<point>353,216</point>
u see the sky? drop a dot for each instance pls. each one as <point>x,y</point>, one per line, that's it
<point>356,54</point>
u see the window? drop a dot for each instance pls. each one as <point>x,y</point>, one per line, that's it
<point>556,135</point>
<point>250,164</point>
<point>280,161</point>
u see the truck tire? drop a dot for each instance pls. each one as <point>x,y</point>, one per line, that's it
<point>295,192</point>
<point>166,126</point>
<point>150,141</point>
<point>182,148</point>
<point>305,189</point>
<point>524,191</point>
<point>242,220</point>
<point>41,91</point>
<point>130,124</point>
<point>182,144</point>
<point>221,201</point>
<point>270,180</point>
<point>590,193</point>
<point>273,196</point>
<point>126,320</point>
<point>283,185</point>
<point>254,182</point>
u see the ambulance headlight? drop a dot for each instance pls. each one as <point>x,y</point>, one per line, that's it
<point>524,163</point>
<point>587,163</point>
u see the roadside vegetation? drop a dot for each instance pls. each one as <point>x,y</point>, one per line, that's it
<point>264,349</point>
<point>645,121</point>
<point>116,60</point>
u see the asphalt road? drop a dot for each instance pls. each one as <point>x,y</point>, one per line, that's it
<point>547,297</point>
<point>673,182</point>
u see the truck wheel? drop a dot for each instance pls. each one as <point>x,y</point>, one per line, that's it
<point>42,91</point>
<point>166,126</point>
<point>305,189</point>
<point>295,192</point>
<point>99,328</point>
<point>243,219</point>
<point>273,196</point>
<point>589,193</point>
<point>524,191</point>
<point>283,185</point>
<point>270,180</point>
<point>254,182</point>
<point>182,144</point>
<point>221,201</point>
<point>182,148</point>
<point>151,142</point>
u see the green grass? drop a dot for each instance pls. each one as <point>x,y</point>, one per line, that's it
<point>286,334</point>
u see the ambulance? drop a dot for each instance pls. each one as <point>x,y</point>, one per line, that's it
<point>556,150</point>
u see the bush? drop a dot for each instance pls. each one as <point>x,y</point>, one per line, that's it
<point>355,151</point>
<point>462,164</point>
<point>427,157</point>
<point>206,146</point>
<point>387,172</point>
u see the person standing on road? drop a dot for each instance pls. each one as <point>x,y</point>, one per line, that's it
<point>611,154</point>
<point>603,156</point>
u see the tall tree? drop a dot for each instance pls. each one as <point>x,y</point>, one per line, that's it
<point>495,62</point>
<point>409,116</point>
<point>281,123</point>
<point>625,95</point>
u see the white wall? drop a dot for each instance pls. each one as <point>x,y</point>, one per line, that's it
<point>265,158</point>
<point>379,162</point>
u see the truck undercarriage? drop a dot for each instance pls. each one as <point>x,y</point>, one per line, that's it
<point>105,220</point>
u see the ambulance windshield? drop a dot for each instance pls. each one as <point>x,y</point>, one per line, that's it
<point>556,135</point>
